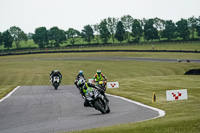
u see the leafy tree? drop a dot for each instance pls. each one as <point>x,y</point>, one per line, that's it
<point>136,30</point>
<point>149,31</point>
<point>198,31</point>
<point>7,39</point>
<point>24,36</point>
<point>41,37</point>
<point>112,23</point>
<point>104,32</point>
<point>192,23</point>
<point>143,22</point>
<point>30,35</point>
<point>1,41</point>
<point>159,24</point>
<point>198,27</point>
<point>72,34</point>
<point>87,33</point>
<point>120,32</point>
<point>182,29</point>
<point>18,35</point>
<point>56,36</point>
<point>170,30</point>
<point>96,31</point>
<point>127,21</point>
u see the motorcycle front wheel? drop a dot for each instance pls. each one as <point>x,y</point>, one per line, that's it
<point>56,86</point>
<point>99,105</point>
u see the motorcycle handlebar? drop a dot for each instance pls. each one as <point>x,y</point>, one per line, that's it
<point>94,81</point>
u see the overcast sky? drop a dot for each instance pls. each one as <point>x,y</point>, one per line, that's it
<point>31,14</point>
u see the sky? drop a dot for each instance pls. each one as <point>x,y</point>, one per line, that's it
<point>31,14</point>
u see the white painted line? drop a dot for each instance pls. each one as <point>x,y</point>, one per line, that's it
<point>161,112</point>
<point>9,94</point>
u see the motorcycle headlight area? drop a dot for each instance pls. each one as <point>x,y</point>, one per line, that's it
<point>56,79</point>
<point>89,93</point>
<point>89,98</point>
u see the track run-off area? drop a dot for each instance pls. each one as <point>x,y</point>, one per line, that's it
<point>31,109</point>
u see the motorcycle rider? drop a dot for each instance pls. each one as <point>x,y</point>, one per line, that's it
<point>78,77</point>
<point>99,77</point>
<point>83,88</point>
<point>55,73</point>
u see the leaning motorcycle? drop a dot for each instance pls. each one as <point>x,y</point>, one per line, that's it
<point>56,82</point>
<point>97,100</point>
<point>76,81</point>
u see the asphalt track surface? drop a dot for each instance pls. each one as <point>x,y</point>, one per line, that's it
<point>41,109</point>
<point>120,58</point>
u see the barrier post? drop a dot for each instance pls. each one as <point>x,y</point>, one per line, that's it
<point>154,97</point>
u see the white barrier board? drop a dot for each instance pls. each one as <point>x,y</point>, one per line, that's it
<point>90,80</point>
<point>172,95</point>
<point>112,84</point>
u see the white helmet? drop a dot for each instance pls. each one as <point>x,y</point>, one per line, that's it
<point>81,82</point>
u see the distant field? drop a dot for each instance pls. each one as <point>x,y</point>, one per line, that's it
<point>159,46</point>
<point>189,46</point>
<point>138,80</point>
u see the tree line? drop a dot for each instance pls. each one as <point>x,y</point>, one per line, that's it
<point>124,29</point>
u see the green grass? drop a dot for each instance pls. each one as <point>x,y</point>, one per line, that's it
<point>138,80</point>
<point>159,46</point>
<point>195,46</point>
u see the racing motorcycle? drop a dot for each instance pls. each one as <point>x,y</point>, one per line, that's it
<point>101,84</point>
<point>56,82</point>
<point>97,100</point>
<point>76,81</point>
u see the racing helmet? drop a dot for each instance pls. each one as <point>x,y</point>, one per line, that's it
<point>81,82</point>
<point>98,71</point>
<point>81,72</point>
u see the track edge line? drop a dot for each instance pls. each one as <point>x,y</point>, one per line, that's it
<point>9,94</point>
<point>161,112</point>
